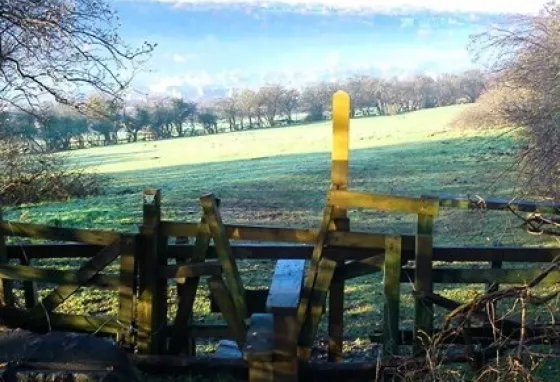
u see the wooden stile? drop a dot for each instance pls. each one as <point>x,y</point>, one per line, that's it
<point>227,306</point>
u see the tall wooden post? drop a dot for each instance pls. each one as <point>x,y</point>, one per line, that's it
<point>6,286</point>
<point>152,299</point>
<point>423,282</point>
<point>392,283</point>
<point>127,288</point>
<point>339,181</point>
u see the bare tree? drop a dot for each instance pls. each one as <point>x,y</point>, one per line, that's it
<point>524,56</point>
<point>270,97</point>
<point>59,49</point>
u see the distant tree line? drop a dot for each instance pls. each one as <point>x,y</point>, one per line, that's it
<point>108,122</point>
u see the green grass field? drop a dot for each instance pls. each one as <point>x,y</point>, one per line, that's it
<point>280,177</point>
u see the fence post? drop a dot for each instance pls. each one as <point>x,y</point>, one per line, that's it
<point>6,286</point>
<point>423,282</point>
<point>392,283</point>
<point>127,288</point>
<point>339,181</point>
<point>152,299</point>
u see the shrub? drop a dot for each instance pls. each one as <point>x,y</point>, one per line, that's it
<point>27,177</point>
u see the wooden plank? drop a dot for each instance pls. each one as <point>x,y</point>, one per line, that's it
<point>229,266</point>
<point>316,257</point>
<point>304,251</point>
<point>7,297</point>
<point>360,268</point>
<point>521,205</point>
<point>317,300</point>
<point>152,299</point>
<point>423,310</point>
<point>224,300</point>
<point>127,289</point>
<point>30,295</point>
<point>56,276</point>
<point>484,276</point>
<point>86,272</point>
<point>291,235</point>
<point>53,251</point>
<point>255,298</point>
<point>285,290</point>
<point>181,272</point>
<point>339,181</point>
<point>391,289</point>
<point>15,317</point>
<point>45,232</point>
<point>186,292</point>
<point>352,199</point>
<point>341,139</point>
<point>259,349</point>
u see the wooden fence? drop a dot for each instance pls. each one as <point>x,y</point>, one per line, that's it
<point>287,315</point>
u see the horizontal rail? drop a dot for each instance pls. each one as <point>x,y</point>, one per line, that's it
<point>56,321</point>
<point>499,204</point>
<point>352,199</point>
<point>46,232</point>
<point>484,276</point>
<point>210,268</point>
<point>56,276</point>
<point>287,235</point>
<point>303,251</point>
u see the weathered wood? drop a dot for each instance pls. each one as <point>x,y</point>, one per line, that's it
<point>484,276</point>
<point>224,300</point>
<point>7,297</point>
<point>352,199</point>
<point>86,272</point>
<point>317,300</point>
<point>360,268</point>
<point>259,348</point>
<point>19,318</point>
<point>181,272</point>
<point>304,251</point>
<point>53,251</point>
<point>255,298</point>
<point>223,249</point>
<point>56,276</point>
<point>341,138</point>
<point>30,295</point>
<point>186,292</point>
<point>339,181</point>
<point>522,205</point>
<point>285,290</point>
<point>423,310</point>
<point>152,299</point>
<point>291,235</point>
<point>391,289</point>
<point>127,289</point>
<point>46,232</point>
<point>312,270</point>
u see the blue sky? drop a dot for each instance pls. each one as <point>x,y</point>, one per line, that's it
<point>208,46</point>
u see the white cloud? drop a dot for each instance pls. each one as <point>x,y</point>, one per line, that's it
<point>181,58</point>
<point>379,6</point>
